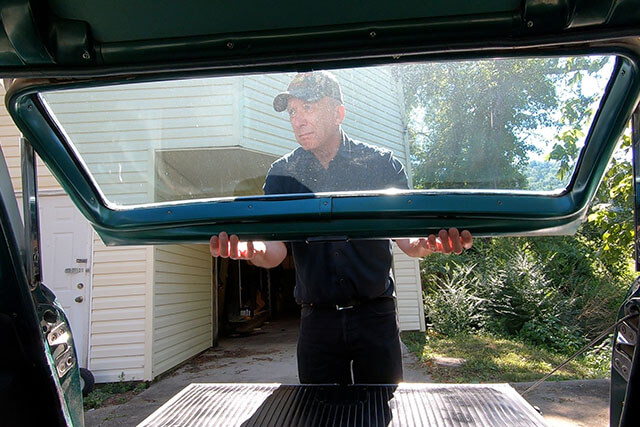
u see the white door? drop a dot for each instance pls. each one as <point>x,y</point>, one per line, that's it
<point>66,263</point>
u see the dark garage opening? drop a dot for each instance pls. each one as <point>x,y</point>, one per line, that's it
<point>249,296</point>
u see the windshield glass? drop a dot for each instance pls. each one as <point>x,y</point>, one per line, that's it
<point>514,124</point>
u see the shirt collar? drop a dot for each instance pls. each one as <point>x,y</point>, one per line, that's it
<point>344,150</point>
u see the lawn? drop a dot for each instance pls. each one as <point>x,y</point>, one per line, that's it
<point>488,358</point>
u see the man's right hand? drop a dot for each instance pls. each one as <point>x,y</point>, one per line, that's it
<point>261,254</point>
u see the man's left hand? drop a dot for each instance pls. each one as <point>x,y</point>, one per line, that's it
<point>445,242</point>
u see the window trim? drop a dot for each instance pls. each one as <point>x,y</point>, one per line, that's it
<point>284,217</point>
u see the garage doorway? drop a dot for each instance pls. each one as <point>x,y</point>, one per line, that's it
<point>249,296</point>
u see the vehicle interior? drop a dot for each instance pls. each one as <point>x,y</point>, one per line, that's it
<point>156,119</point>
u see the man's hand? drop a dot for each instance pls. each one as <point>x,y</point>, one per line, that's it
<point>261,254</point>
<point>231,247</point>
<point>446,242</point>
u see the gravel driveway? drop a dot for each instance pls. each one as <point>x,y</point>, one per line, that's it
<point>270,356</point>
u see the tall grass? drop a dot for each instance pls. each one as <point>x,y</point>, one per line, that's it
<point>549,291</point>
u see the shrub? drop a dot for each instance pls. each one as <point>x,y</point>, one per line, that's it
<point>549,331</point>
<point>453,307</point>
<point>519,293</point>
<point>595,288</point>
<point>550,291</point>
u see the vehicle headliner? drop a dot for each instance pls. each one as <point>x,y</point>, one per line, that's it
<point>87,43</point>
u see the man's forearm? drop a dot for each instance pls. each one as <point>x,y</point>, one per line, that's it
<point>412,250</point>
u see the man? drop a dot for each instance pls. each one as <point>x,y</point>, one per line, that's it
<point>349,329</point>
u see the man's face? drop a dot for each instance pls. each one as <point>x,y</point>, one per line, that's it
<point>314,123</point>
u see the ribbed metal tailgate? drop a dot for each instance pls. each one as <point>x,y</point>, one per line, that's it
<point>356,405</point>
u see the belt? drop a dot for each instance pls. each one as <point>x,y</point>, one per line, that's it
<point>342,306</point>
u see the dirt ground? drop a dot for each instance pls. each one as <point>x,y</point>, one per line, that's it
<point>583,403</point>
<point>268,356</point>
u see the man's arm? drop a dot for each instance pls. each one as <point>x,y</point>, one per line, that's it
<point>446,242</point>
<point>261,254</point>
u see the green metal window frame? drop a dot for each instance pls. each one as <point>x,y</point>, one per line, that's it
<point>343,216</point>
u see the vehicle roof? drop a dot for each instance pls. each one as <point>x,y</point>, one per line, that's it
<point>75,37</point>
<point>76,43</point>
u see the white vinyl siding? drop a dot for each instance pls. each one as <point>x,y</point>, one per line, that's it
<point>117,334</point>
<point>374,112</point>
<point>182,300</point>
<point>263,127</point>
<point>408,291</point>
<point>118,129</point>
<point>10,143</point>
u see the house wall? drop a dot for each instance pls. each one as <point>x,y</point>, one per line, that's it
<point>240,109</point>
<point>262,127</point>
<point>10,143</point>
<point>409,291</point>
<point>118,129</point>
<point>374,113</point>
<point>120,283</point>
<point>182,304</point>
<point>119,335</point>
<point>146,119</point>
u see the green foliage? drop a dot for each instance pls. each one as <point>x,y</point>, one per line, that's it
<point>594,287</point>
<point>550,332</point>
<point>113,393</point>
<point>455,308</point>
<point>566,151</point>
<point>576,111</point>
<point>470,123</point>
<point>524,301</point>
<point>542,176</point>
<point>549,291</point>
<point>610,226</point>
<point>465,119</point>
<point>470,126</point>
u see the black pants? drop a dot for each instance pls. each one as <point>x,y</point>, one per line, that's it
<point>364,339</point>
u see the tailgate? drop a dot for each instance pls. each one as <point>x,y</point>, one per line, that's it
<point>321,405</point>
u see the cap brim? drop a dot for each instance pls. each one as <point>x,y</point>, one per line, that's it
<point>281,101</point>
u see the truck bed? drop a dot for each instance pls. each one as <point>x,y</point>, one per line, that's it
<point>355,405</point>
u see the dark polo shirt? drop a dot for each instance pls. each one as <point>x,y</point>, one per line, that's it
<point>339,272</point>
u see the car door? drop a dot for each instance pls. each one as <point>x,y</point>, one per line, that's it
<point>39,360</point>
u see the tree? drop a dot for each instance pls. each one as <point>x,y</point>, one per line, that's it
<point>610,222</point>
<point>542,176</point>
<point>471,124</point>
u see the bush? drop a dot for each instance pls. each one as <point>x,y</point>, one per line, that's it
<point>453,307</point>
<point>595,288</point>
<point>548,331</point>
<point>518,293</point>
<point>550,291</point>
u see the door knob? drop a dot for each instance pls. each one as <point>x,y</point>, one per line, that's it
<point>79,299</point>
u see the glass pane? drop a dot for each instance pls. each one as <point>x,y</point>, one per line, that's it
<point>492,124</point>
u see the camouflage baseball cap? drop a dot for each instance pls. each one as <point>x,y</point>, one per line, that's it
<point>311,87</point>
